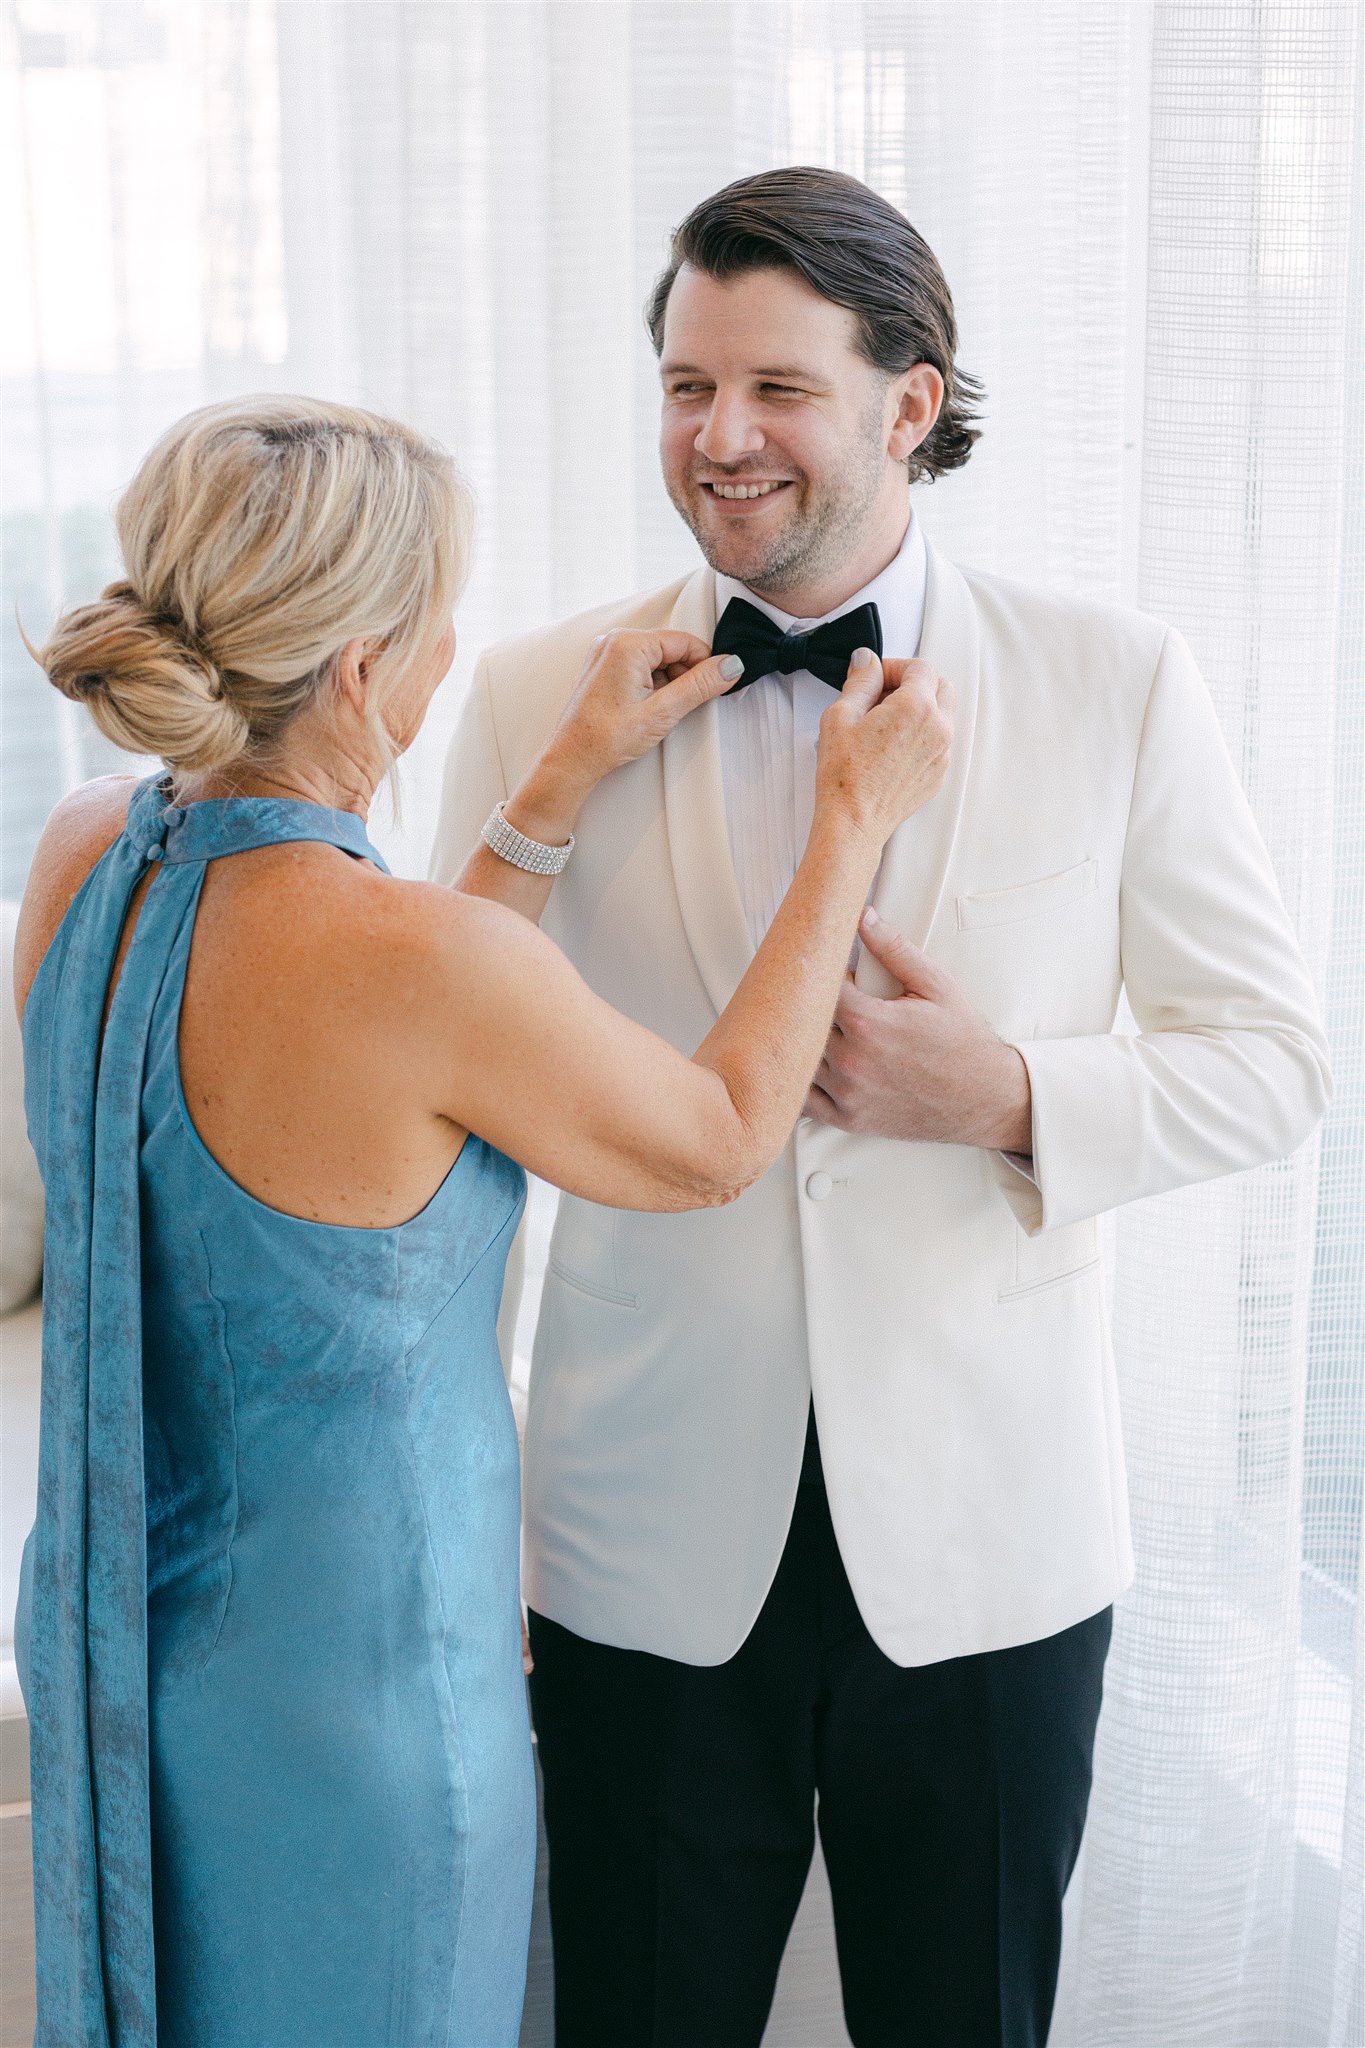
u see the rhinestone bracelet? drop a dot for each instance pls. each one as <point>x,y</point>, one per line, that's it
<point>520,852</point>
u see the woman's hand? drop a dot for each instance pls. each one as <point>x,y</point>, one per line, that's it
<point>634,688</point>
<point>884,744</point>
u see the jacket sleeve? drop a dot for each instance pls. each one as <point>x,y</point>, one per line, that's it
<point>1229,1068</point>
<point>474,782</point>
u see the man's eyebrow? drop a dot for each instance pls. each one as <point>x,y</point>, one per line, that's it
<point>795,373</point>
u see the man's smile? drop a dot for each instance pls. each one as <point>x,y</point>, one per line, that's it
<point>743,491</point>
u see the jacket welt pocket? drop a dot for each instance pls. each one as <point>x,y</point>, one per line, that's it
<point>584,1286</point>
<point>1029,899</point>
<point>1052,1258</point>
<point>1053,1280</point>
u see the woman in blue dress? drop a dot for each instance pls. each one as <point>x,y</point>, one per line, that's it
<point>282,1783</point>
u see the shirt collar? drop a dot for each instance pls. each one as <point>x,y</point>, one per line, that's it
<point>898,593</point>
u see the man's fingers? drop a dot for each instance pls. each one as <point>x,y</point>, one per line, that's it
<point>850,996</point>
<point>914,970</point>
<point>853,1002</point>
<point>821,1108</point>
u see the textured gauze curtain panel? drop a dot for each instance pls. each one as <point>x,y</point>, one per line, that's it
<point>1151,220</point>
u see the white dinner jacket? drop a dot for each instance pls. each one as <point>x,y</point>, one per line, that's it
<point>1091,835</point>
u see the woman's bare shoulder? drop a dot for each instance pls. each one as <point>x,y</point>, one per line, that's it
<point>78,833</point>
<point>451,933</point>
<point>460,960</point>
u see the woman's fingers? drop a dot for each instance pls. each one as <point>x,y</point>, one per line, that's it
<point>884,741</point>
<point>697,685</point>
<point>909,669</point>
<point>863,684</point>
<point>677,652</point>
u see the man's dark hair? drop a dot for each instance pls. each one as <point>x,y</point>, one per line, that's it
<point>854,248</point>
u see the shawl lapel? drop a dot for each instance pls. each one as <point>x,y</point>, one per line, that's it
<point>914,867</point>
<point>698,835</point>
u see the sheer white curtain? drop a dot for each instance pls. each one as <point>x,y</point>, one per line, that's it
<point>1151,219</point>
<point>1212,1906</point>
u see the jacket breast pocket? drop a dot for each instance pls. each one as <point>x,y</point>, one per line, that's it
<point>1051,1258</point>
<point>1028,899</point>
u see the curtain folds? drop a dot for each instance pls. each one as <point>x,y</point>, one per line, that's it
<point>1212,1906</point>
<point>1151,218</point>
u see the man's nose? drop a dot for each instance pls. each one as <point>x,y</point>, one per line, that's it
<point>729,432</point>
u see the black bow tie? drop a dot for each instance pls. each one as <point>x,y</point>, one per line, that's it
<point>766,650</point>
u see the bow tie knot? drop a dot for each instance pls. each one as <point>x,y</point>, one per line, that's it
<point>823,651</point>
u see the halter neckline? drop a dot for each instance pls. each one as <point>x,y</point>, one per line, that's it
<point>210,827</point>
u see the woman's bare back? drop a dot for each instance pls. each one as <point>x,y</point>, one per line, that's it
<point>302,1058</point>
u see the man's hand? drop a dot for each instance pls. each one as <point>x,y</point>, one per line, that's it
<point>923,1065</point>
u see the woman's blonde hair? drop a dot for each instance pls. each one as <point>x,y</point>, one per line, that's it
<point>258,537</point>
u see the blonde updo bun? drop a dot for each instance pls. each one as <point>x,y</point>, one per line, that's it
<point>258,537</point>
<point>146,687</point>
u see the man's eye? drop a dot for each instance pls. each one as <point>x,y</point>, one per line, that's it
<point>684,390</point>
<point>784,390</point>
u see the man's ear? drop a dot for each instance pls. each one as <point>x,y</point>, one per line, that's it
<point>919,400</point>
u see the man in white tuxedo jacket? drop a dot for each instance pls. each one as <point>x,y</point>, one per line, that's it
<point>824,1490</point>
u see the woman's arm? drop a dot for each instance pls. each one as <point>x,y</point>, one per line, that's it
<point>590,1100</point>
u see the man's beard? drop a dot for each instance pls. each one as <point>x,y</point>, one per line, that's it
<point>824,533</point>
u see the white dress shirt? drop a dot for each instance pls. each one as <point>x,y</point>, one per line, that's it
<point>768,732</point>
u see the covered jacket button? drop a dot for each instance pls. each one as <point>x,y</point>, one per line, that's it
<point>818,1186</point>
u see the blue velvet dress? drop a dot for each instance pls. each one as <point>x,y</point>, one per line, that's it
<point>268,1632</point>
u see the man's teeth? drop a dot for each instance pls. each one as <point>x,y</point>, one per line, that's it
<point>747,490</point>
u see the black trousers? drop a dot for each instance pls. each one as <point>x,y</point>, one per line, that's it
<point>681,1802</point>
